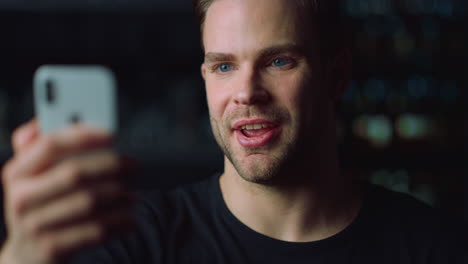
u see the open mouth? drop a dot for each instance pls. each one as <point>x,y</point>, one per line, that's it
<point>256,130</point>
<point>256,134</point>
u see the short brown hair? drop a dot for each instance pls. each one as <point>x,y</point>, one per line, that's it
<point>325,13</point>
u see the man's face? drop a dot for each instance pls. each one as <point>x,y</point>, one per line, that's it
<point>263,87</point>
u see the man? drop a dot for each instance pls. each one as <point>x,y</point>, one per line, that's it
<point>273,73</point>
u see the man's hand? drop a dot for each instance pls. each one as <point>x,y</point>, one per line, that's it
<point>63,192</point>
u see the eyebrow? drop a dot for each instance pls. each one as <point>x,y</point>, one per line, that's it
<point>268,52</point>
<point>217,57</point>
<point>279,49</point>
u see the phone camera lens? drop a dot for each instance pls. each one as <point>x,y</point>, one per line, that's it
<point>50,91</point>
<point>75,119</point>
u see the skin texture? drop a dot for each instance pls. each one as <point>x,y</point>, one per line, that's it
<point>296,175</point>
<point>61,192</point>
<point>291,95</point>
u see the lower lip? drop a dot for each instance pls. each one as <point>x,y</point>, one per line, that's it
<point>258,141</point>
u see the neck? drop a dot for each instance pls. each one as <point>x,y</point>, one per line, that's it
<point>306,211</point>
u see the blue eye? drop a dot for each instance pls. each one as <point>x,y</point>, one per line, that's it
<point>279,62</point>
<point>225,67</point>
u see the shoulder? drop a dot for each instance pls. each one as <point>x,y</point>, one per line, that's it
<point>164,220</point>
<point>195,198</point>
<point>186,194</point>
<point>400,205</point>
<point>403,209</point>
<point>401,217</point>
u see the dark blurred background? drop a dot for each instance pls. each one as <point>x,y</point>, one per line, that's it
<point>402,122</point>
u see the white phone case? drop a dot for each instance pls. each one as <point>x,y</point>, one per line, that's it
<point>70,94</point>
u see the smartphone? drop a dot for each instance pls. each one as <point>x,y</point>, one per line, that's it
<point>65,95</point>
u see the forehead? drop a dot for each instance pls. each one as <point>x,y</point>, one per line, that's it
<point>241,24</point>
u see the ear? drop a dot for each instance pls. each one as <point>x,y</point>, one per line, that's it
<point>339,73</point>
<point>203,71</point>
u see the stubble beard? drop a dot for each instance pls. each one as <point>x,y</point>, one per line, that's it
<point>271,169</point>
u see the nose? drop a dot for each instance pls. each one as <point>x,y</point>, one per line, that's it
<point>250,89</point>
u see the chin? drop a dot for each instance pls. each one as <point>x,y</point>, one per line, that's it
<point>267,165</point>
<point>258,171</point>
<point>258,177</point>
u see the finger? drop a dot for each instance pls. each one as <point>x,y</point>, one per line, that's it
<point>61,243</point>
<point>66,177</point>
<point>58,245</point>
<point>24,135</point>
<point>51,148</point>
<point>78,206</point>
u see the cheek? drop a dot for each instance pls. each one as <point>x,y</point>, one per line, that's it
<point>291,90</point>
<point>217,92</point>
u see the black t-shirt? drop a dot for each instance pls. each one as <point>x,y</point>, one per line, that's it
<point>192,224</point>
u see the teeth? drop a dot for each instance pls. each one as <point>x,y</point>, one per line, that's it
<point>255,126</point>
